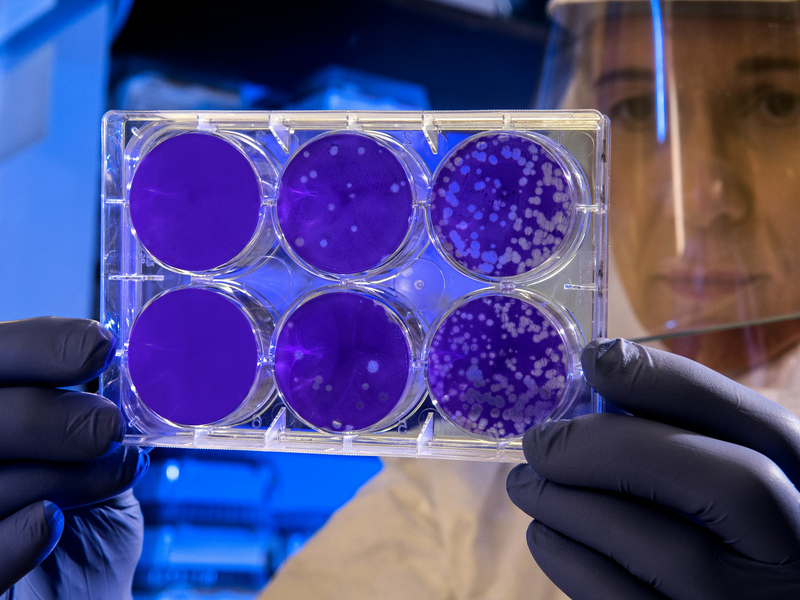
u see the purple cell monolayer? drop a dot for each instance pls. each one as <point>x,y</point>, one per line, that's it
<point>344,203</point>
<point>192,356</point>
<point>497,366</point>
<point>195,201</point>
<point>342,362</point>
<point>500,205</point>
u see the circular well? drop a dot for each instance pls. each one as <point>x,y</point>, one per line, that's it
<point>497,365</point>
<point>503,206</point>
<point>345,203</point>
<point>193,356</point>
<point>195,202</point>
<point>342,362</point>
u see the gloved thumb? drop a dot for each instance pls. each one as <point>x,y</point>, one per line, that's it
<point>32,532</point>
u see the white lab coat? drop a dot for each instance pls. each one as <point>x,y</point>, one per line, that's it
<point>421,529</point>
<point>446,530</point>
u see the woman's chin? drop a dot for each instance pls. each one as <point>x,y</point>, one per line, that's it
<point>735,351</point>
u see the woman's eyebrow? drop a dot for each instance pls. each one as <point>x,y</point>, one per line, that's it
<point>628,74</point>
<point>751,66</point>
<point>762,64</point>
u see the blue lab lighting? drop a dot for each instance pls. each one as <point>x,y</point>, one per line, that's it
<point>658,43</point>
<point>172,471</point>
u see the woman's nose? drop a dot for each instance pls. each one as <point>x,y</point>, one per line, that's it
<point>715,172</point>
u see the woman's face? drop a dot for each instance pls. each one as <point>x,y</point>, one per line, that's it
<point>705,222</point>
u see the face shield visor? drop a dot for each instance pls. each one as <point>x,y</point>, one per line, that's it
<point>704,101</point>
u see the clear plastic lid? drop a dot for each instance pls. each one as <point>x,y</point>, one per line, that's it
<point>346,359</point>
<point>500,363</point>
<point>196,201</point>
<point>504,206</point>
<point>347,205</point>
<point>194,358</point>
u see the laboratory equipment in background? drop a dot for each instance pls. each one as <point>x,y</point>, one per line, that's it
<point>54,59</point>
<point>227,520</point>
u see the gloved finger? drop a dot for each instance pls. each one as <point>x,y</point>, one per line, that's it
<point>28,535</point>
<point>740,495</point>
<point>70,485</point>
<point>108,536</point>
<point>123,503</point>
<point>636,534</point>
<point>669,388</point>
<point>51,424</point>
<point>583,573</point>
<point>53,351</point>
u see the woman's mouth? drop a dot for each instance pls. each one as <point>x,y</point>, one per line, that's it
<point>708,284</point>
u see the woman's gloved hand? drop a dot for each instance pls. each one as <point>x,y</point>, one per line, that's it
<point>60,451</point>
<point>693,498</point>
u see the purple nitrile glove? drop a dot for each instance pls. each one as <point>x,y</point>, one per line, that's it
<point>693,498</point>
<point>60,451</point>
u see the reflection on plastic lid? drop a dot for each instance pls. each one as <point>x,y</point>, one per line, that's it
<point>192,356</point>
<point>195,202</point>
<point>497,366</point>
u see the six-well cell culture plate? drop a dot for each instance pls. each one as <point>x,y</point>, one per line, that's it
<point>383,283</point>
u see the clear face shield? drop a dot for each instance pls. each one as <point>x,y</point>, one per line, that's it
<point>704,101</point>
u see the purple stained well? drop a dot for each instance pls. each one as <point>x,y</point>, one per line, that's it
<point>497,366</point>
<point>500,205</point>
<point>195,201</point>
<point>192,356</point>
<point>344,203</point>
<point>342,362</point>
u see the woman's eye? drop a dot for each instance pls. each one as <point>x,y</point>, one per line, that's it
<point>780,105</point>
<point>638,110</point>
